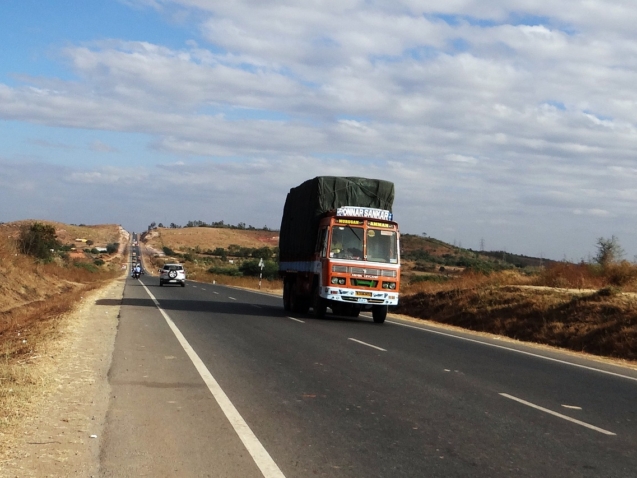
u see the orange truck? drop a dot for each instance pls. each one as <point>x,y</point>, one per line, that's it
<point>339,247</point>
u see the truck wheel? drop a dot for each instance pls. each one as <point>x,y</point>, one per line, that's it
<point>286,295</point>
<point>319,304</point>
<point>379,313</point>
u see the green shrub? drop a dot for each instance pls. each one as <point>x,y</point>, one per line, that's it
<point>251,268</point>
<point>86,265</point>
<point>38,240</point>
<point>226,271</point>
<point>99,262</point>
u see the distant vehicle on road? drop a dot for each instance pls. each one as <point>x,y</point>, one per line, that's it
<point>172,274</point>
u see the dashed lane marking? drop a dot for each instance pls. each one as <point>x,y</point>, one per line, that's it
<point>369,345</point>
<point>297,320</point>
<point>555,414</point>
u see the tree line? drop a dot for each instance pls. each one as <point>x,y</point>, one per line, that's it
<point>218,224</point>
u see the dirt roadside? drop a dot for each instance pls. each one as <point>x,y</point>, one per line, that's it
<point>61,435</point>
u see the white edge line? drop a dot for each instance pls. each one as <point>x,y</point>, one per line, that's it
<point>515,350</point>
<point>551,412</point>
<point>369,345</point>
<point>259,454</point>
<point>298,320</point>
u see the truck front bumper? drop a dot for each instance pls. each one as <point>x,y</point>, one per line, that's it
<point>359,296</point>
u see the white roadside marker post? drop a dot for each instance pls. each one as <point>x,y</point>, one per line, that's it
<point>261,264</point>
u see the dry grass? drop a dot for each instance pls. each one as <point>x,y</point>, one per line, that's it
<point>602,322</point>
<point>589,276</point>
<point>209,238</point>
<point>33,297</point>
<point>101,234</point>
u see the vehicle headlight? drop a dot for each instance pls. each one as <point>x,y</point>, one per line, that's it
<point>389,285</point>
<point>334,280</point>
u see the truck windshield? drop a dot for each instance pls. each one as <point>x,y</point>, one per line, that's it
<point>382,246</point>
<point>347,243</point>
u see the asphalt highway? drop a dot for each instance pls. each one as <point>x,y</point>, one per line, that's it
<point>342,397</point>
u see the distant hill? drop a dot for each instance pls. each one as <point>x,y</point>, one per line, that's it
<point>208,238</point>
<point>428,253</point>
<point>518,260</point>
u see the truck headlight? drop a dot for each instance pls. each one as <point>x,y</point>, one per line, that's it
<point>389,285</point>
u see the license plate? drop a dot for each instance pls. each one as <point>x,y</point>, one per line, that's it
<point>364,294</point>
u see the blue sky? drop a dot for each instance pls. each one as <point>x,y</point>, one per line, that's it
<point>512,122</point>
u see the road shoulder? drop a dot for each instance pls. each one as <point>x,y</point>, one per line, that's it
<point>62,436</point>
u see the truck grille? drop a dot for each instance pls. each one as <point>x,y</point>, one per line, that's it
<point>367,272</point>
<point>364,272</point>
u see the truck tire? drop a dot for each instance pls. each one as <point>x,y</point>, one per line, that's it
<point>379,313</point>
<point>286,295</point>
<point>319,304</point>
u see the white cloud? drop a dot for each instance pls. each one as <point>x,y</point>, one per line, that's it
<point>514,119</point>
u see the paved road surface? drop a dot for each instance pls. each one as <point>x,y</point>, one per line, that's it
<point>349,398</point>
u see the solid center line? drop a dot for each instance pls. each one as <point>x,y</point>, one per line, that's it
<point>551,412</point>
<point>298,320</point>
<point>369,345</point>
<point>259,454</point>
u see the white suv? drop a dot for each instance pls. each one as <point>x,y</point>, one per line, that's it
<point>172,274</point>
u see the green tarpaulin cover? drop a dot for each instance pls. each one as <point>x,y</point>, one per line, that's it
<point>305,204</point>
